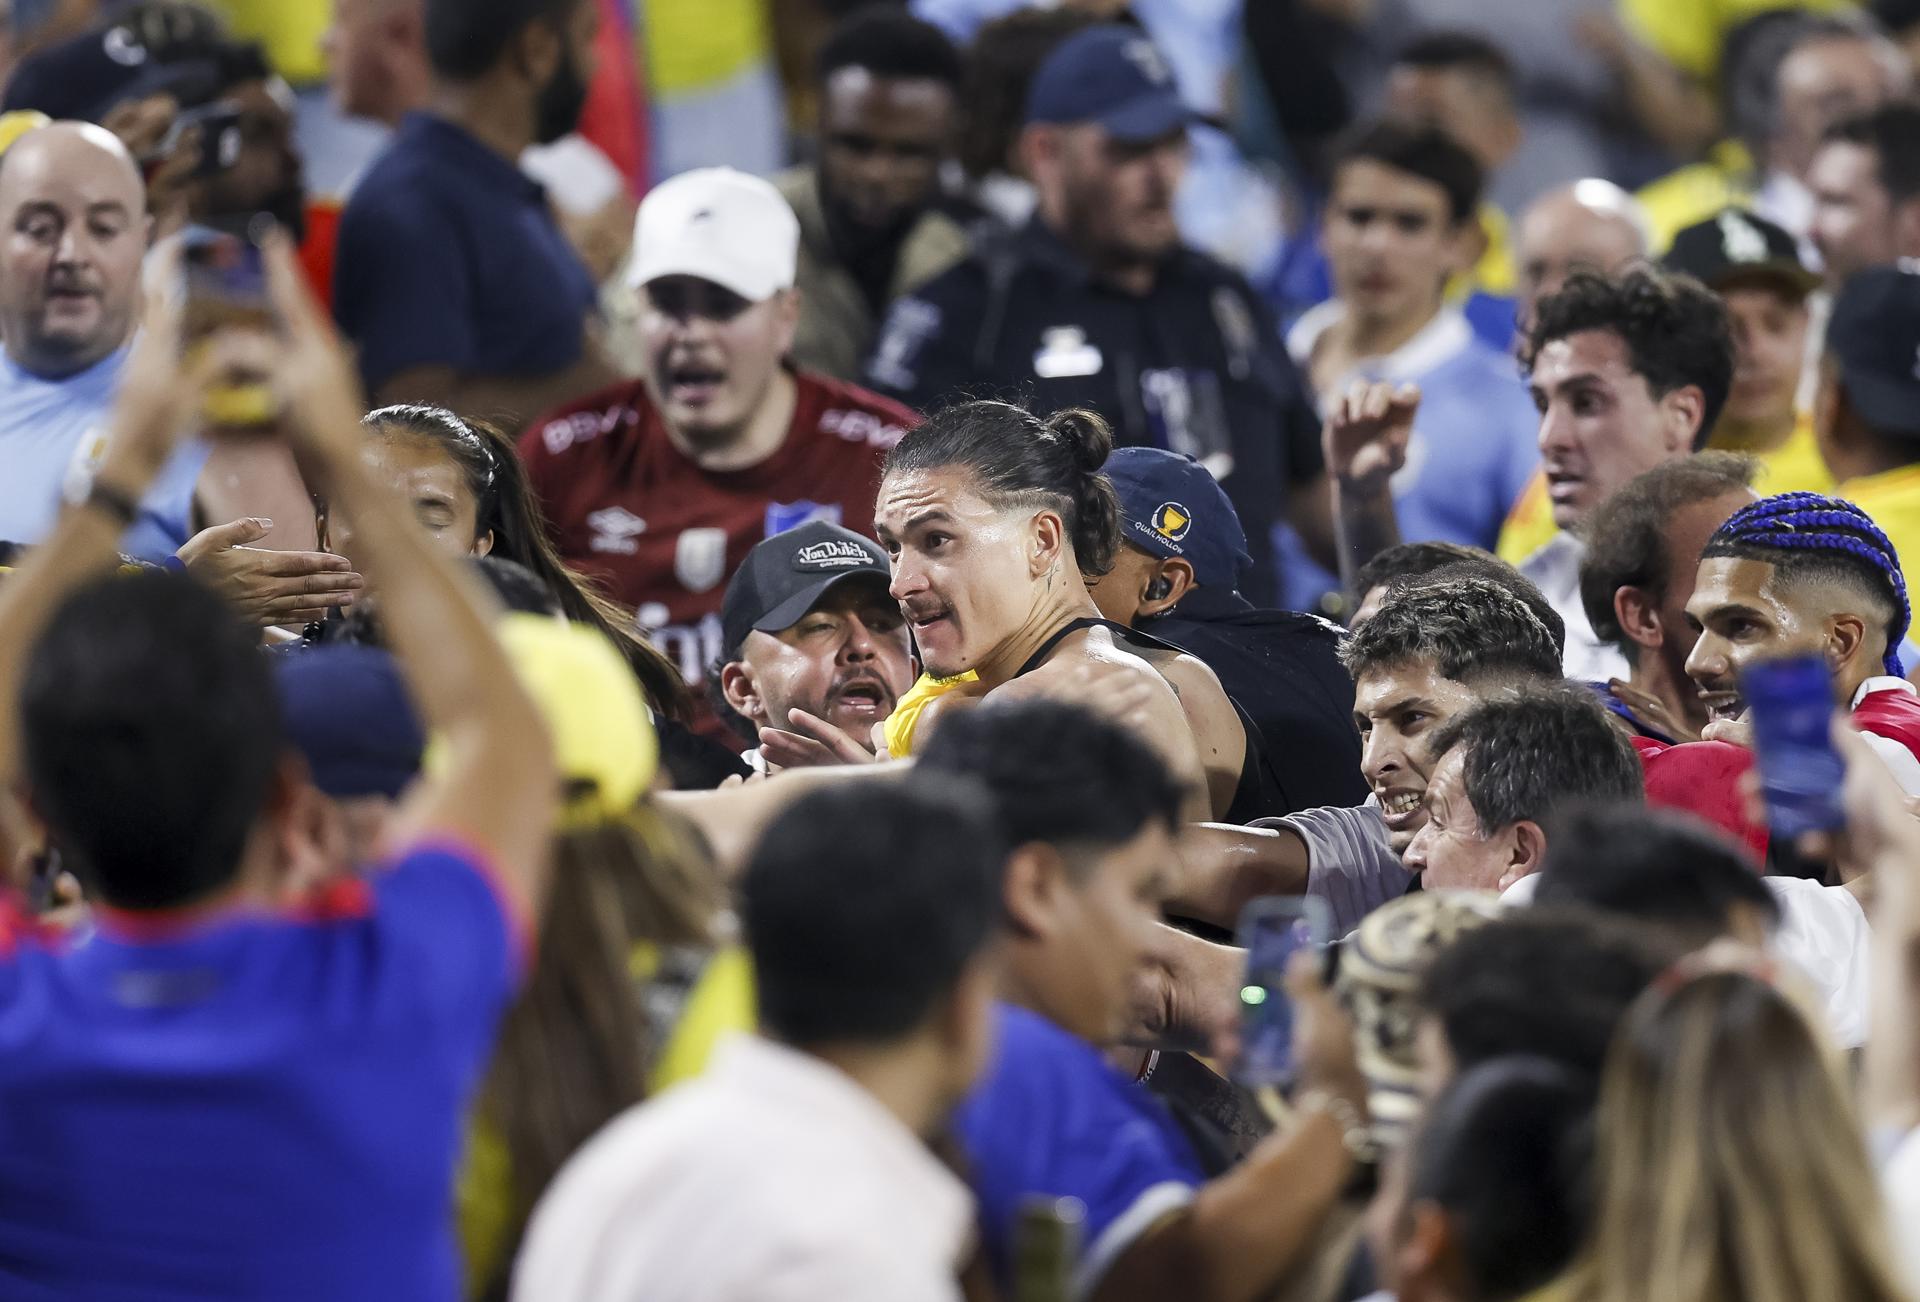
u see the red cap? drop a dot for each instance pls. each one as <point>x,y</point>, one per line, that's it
<point>1702,778</point>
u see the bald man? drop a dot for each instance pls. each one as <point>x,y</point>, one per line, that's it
<point>73,233</point>
<point>1591,225</point>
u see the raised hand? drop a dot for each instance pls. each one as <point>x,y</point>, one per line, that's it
<point>315,377</point>
<point>1367,431</point>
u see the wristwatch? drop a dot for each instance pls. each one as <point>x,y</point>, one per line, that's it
<point>96,494</point>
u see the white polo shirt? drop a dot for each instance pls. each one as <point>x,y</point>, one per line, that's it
<point>774,1177</point>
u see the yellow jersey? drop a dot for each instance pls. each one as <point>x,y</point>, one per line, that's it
<point>1529,525</point>
<point>900,725</point>
<point>1493,274</point>
<point>289,29</point>
<point>1691,194</point>
<point>1691,34</point>
<point>1796,466</point>
<point>694,46</point>
<point>1892,499</point>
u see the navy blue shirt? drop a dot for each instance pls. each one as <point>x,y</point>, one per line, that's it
<point>450,256</point>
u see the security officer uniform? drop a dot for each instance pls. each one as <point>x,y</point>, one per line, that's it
<point>1196,365</point>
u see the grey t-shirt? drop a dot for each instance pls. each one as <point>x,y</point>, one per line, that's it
<point>1350,860</point>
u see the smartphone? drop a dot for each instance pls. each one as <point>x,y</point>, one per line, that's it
<point>1272,930</point>
<point>220,131</point>
<point>224,284</point>
<point>1790,704</point>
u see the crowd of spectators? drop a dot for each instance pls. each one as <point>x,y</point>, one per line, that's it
<point>683,649</point>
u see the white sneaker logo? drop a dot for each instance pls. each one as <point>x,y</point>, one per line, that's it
<point>614,530</point>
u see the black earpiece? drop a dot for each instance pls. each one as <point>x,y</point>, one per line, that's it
<point>1160,589</point>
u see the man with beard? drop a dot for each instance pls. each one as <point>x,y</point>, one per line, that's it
<point>811,628</point>
<point>1096,304</point>
<point>453,277</point>
<point>659,487</point>
<point>1803,574</point>
<point>873,224</point>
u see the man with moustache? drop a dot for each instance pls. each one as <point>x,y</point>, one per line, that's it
<point>453,278</point>
<point>810,626</point>
<point>659,487</point>
<point>1096,304</point>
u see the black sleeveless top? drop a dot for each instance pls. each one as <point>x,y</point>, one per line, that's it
<point>1259,793</point>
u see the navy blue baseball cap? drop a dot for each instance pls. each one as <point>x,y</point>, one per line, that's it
<point>785,576</point>
<point>1874,338</point>
<point>1170,506</point>
<point>1113,76</point>
<point>177,50</point>
<point>346,710</point>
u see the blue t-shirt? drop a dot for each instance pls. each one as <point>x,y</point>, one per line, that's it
<point>449,256</point>
<point>53,430</point>
<point>253,1107</point>
<point>1052,1118</point>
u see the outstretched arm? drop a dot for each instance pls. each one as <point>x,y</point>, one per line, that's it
<point>496,788</point>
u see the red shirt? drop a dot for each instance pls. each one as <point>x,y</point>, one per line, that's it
<point>662,535</point>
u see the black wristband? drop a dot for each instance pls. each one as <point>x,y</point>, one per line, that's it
<point>104,497</point>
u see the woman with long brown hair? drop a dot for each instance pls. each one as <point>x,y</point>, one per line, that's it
<point>1730,1162</point>
<point>467,487</point>
<point>635,972</point>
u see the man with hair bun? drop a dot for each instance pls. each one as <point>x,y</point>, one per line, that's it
<point>994,520</point>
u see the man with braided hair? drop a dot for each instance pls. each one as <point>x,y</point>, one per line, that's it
<point>1803,573</point>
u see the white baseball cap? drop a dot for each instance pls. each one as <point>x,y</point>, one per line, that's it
<point>720,225</point>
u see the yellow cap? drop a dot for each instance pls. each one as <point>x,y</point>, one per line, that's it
<point>603,737</point>
<point>17,123</point>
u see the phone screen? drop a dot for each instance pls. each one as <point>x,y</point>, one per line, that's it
<point>1790,706</point>
<point>1272,930</point>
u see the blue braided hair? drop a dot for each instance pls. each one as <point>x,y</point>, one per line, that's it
<point>1802,530</point>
